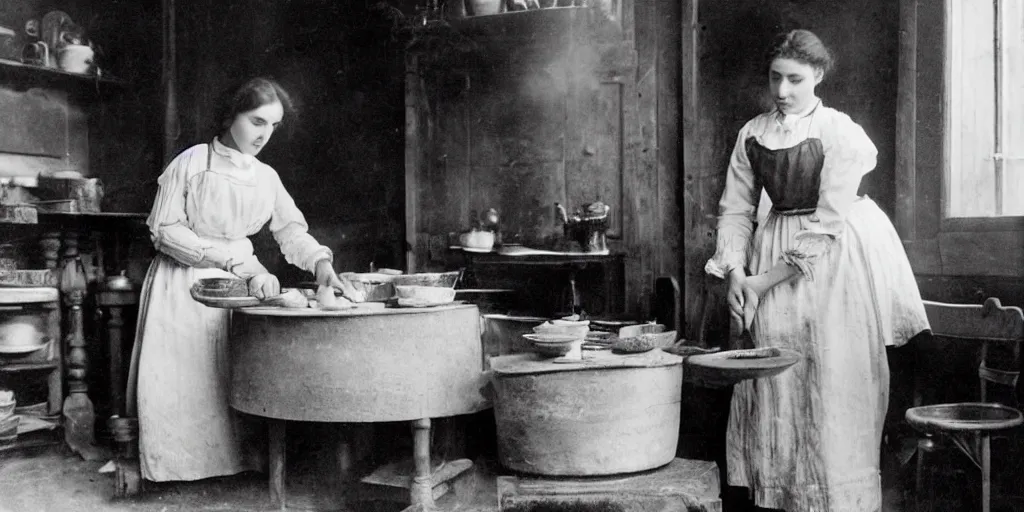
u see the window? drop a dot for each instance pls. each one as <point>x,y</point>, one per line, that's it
<point>985,123</point>
<point>960,137</point>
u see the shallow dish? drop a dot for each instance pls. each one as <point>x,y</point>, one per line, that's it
<point>552,339</point>
<point>722,369</point>
<point>221,287</point>
<point>24,349</point>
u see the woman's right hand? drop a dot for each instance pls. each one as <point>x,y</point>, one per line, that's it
<point>264,285</point>
<point>735,295</point>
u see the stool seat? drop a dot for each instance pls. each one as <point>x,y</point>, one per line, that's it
<point>964,417</point>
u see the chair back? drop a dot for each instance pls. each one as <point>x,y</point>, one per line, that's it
<point>986,323</point>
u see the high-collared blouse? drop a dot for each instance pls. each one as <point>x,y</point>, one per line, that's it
<point>215,196</point>
<point>848,155</point>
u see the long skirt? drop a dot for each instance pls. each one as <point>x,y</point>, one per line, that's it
<point>187,430</point>
<point>809,439</point>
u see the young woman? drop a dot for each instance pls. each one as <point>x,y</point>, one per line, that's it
<point>211,198</point>
<point>829,278</point>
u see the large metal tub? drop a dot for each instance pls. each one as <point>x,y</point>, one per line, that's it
<point>603,416</point>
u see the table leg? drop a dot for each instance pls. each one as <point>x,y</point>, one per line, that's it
<point>277,461</point>
<point>421,490</point>
<point>115,322</point>
<point>344,459</point>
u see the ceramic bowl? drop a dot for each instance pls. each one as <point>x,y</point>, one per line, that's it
<point>7,407</point>
<point>9,428</point>
<point>481,241</point>
<point>75,58</point>
<point>577,331</point>
<point>425,294</point>
<point>20,331</point>
<point>435,279</point>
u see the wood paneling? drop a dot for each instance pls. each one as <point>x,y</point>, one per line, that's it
<point>558,116</point>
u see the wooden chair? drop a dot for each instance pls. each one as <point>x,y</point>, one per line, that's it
<point>970,425</point>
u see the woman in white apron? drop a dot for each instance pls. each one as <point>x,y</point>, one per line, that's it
<point>829,279</point>
<point>211,198</point>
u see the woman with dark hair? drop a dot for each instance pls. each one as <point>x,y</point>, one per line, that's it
<point>829,278</point>
<point>211,198</point>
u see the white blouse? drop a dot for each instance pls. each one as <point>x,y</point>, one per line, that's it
<point>197,208</point>
<point>849,155</point>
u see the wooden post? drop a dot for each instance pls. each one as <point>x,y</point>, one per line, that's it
<point>79,414</point>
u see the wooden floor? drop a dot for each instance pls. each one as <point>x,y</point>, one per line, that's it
<point>52,479</point>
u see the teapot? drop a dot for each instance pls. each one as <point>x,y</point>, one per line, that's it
<point>588,226</point>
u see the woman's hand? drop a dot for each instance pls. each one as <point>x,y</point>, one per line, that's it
<point>735,296</point>
<point>264,285</point>
<point>326,276</point>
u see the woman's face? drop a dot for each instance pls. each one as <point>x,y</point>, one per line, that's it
<point>792,84</point>
<point>250,131</point>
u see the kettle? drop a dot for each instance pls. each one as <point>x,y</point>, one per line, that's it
<point>588,226</point>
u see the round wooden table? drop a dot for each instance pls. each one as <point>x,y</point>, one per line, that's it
<point>358,366</point>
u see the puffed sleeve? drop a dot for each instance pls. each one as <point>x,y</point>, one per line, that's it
<point>737,210</point>
<point>849,155</point>
<point>168,223</point>
<point>292,232</point>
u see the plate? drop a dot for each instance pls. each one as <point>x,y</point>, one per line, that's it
<point>720,369</point>
<point>22,349</point>
<point>477,250</point>
<point>551,338</point>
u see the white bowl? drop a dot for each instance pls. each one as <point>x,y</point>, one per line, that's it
<point>577,331</point>
<point>20,331</point>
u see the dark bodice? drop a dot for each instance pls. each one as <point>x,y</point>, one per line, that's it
<point>791,176</point>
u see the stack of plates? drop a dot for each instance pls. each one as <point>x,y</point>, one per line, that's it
<point>552,344</point>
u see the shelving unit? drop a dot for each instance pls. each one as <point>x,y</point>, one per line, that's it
<point>48,360</point>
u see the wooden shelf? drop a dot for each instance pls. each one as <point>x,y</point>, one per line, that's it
<point>93,216</point>
<point>551,26</point>
<point>26,74</point>
<point>28,367</point>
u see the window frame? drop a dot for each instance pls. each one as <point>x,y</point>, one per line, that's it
<point>937,245</point>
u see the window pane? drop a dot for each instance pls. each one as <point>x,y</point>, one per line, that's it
<point>1013,107</point>
<point>972,185</point>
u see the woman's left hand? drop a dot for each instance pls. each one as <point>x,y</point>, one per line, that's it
<point>326,276</point>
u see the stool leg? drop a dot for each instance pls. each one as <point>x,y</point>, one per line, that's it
<point>421,490</point>
<point>986,471</point>
<point>919,480</point>
<point>277,460</point>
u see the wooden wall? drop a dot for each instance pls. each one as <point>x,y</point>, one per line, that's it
<point>43,128</point>
<point>341,158</point>
<point>545,107</point>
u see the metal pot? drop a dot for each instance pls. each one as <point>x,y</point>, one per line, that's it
<point>118,282</point>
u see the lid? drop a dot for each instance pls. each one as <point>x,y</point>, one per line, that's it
<point>526,364</point>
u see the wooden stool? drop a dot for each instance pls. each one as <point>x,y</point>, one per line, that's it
<point>970,425</point>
